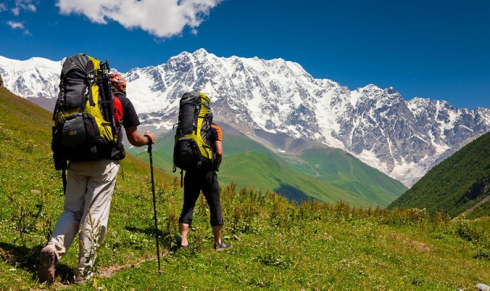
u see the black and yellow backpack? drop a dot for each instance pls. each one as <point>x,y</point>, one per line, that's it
<point>192,148</point>
<point>84,127</point>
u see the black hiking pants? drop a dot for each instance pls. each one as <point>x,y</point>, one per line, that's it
<point>194,183</point>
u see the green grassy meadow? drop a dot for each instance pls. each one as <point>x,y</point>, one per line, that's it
<point>277,244</point>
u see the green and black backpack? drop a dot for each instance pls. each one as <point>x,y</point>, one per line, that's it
<point>192,148</point>
<point>85,128</point>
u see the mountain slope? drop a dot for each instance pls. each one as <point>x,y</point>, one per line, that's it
<point>259,171</point>
<point>456,185</point>
<point>403,139</point>
<point>335,169</point>
<point>347,172</point>
<point>323,173</point>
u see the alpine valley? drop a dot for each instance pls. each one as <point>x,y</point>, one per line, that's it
<point>278,116</point>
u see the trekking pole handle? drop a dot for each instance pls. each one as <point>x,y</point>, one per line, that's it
<point>150,142</point>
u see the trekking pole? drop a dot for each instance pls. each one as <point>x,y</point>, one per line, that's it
<point>154,201</point>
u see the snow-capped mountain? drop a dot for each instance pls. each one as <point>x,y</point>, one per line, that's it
<point>35,77</point>
<point>403,139</point>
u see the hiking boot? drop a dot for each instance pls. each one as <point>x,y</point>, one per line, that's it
<point>178,240</point>
<point>47,263</point>
<point>82,279</point>
<point>221,246</point>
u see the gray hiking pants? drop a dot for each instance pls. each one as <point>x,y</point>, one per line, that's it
<point>86,209</point>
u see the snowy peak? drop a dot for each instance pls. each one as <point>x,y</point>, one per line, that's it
<point>35,77</point>
<point>403,139</point>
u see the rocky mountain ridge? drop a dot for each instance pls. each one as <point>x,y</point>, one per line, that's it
<point>403,139</point>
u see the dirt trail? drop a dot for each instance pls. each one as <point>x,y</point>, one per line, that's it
<point>110,270</point>
<point>104,272</point>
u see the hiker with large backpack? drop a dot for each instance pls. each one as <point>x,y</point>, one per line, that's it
<point>87,144</point>
<point>198,150</point>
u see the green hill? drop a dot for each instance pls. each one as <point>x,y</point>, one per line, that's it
<point>329,175</point>
<point>459,184</point>
<point>343,170</point>
<point>261,172</point>
<point>277,245</point>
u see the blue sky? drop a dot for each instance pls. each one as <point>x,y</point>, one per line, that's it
<point>437,49</point>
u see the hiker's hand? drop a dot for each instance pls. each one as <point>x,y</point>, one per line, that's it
<point>151,135</point>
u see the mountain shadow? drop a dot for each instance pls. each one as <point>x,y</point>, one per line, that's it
<point>292,193</point>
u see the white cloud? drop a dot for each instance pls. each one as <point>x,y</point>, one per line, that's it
<point>15,25</point>
<point>19,6</point>
<point>22,5</point>
<point>28,7</point>
<point>162,18</point>
<point>18,25</point>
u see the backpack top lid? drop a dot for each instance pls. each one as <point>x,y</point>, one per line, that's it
<point>82,64</point>
<point>198,96</point>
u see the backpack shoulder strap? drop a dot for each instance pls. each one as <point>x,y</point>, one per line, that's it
<point>118,110</point>
<point>218,131</point>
